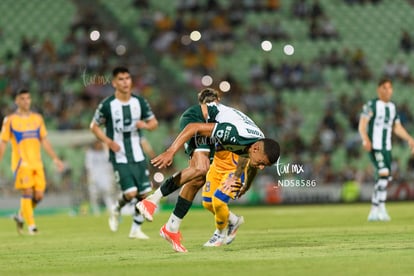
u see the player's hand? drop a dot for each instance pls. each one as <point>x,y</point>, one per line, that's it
<point>114,146</point>
<point>59,164</point>
<point>141,124</point>
<point>367,145</point>
<point>163,160</point>
<point>232,186</point>
<point>242,191</point>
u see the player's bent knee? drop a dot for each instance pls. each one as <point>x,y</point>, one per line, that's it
<point>207,204</point>
<point>200,173</point>
<point>198,182</point>
<point>129,195</point>
<point>218,204</point>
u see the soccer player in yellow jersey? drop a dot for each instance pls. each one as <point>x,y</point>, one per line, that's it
<point>229,177</point>
<point>26,132</point>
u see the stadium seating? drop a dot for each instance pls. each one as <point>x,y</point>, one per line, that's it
<point>376,29</point>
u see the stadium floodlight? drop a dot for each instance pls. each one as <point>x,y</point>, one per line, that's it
<point>94,35</point>
<point>266,45</point>
<point>206,80</point>
<point>225,86</point>
<point>288,49</point>
<point>195,36</point>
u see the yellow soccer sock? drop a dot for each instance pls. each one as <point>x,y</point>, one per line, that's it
<point>26,209</point>
<point>221,213</point>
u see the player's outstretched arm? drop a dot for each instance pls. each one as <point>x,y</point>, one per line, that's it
<point>98,132</point>
<point>49,150</point>
<point>3,146</point>
<point>150,124</point>
<point>362,128</point>
<point>401,132</point>
<point>165,159</point>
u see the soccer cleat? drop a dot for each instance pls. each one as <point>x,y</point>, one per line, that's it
<point>138,234</point>
<point>373,215</point>
<point>174,239</point>
<point>146,208</point>
<point>383,215</point>
<point>113,220</point>
<point>232,230</point>
<point>33,231</point>
<point>215,241</point>
<point>19,223</point>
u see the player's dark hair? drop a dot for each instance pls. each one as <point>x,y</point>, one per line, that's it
<point>208,95</point>
<point>271,149</point>
<point>21,92</point>
<point>383,81</point>
<point>119,70</point>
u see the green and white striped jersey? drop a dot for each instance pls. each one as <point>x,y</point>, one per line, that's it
<point>382,117</point>
<point>119,119</point>
<point>234,131</point>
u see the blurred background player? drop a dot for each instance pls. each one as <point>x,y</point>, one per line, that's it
<point>123,115</point>
<point>99,173</point>
<point>379,118</point>
<point>27,132</point>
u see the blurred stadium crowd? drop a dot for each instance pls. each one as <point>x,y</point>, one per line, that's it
<point>309,101</point>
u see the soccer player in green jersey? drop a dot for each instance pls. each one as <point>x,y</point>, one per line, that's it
<point>379,118</point>
<point>124,115</point>
<point>203,126</point>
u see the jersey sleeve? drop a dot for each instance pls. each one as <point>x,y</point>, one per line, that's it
<point>5,129</point>
<point>367,110</point>
<point>100,114</point>
<point>227,135</point>
<point>397,118</point>
<point>146,109</point>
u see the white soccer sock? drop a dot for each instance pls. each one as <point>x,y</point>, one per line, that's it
<point>173,223</point>
<point>156,196</point>
<point>137,221</point>
<point>382,196</point>
<point>232,218</point>
<point>381,188</point>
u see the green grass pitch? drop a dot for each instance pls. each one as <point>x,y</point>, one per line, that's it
<point>276,240</point>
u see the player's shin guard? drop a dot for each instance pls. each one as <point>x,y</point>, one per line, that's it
<point>26,208</point>
<point>182,207</point>
<point>171,184</point>
<point>221,209</point>
<point>122,201</point>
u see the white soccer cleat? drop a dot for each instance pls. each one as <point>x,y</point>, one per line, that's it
<point>373,215</point>
<point>19,223</point>
<point>138,234</point>
<point>33,231</point>
<point>383,215</point>
<point>113,220</point>
<point>232,230</point>
<point>216,240</point>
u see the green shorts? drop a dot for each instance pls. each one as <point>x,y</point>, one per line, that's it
<point>381,159</point>
<point>133,176</point>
